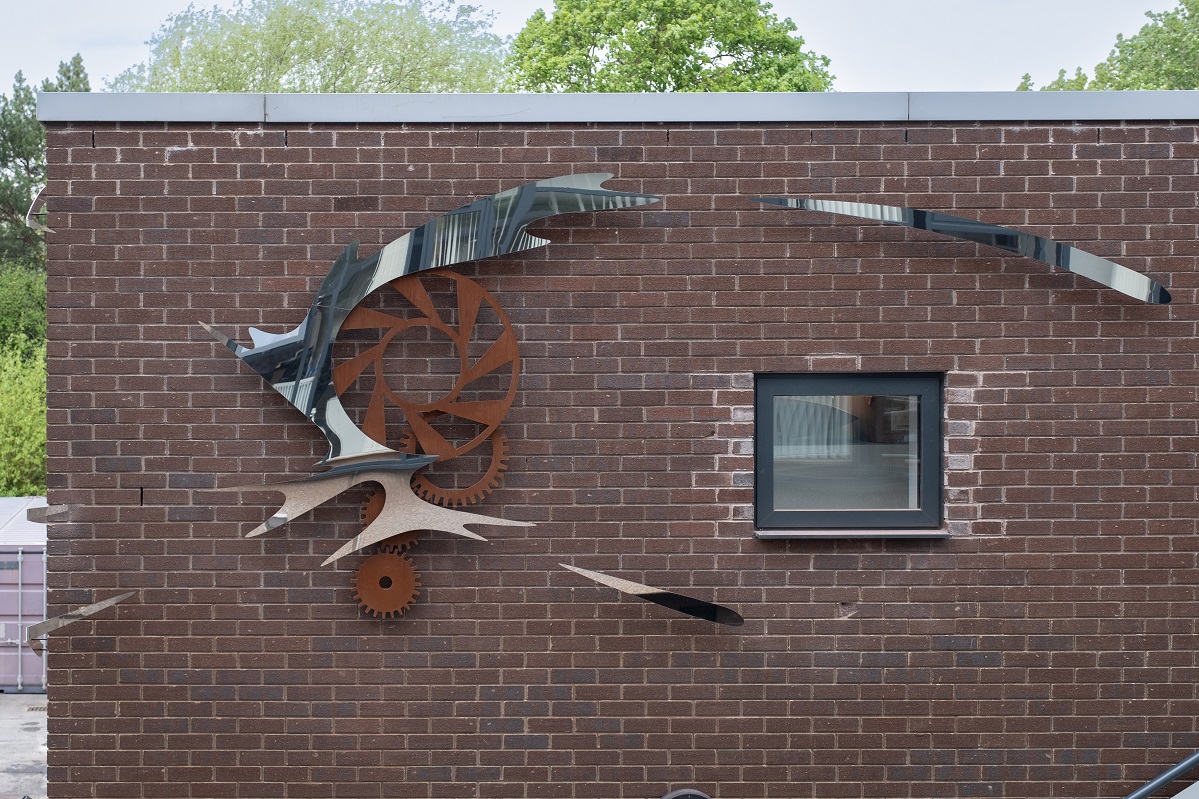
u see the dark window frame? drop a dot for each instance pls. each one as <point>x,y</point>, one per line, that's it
<point>927,519</point>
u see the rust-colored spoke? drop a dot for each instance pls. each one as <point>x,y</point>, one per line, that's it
<point>411,289</point>
<point>375,423</point>
<point>487,413</point>
<point>365,318</point>
<point>431,442</point>
<point>344,374</point>
<point>503,351</point>
<point>470,297</point>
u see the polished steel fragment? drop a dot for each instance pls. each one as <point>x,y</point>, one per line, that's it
<point>48,513</point>
<point>36,632</point>
<point>30,214</point>
<point>298,364</point>
<point>698,608</point>
<point>1047,251</point>
<point>402,512</point>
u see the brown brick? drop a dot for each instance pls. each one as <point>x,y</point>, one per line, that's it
<point>1046,644</point>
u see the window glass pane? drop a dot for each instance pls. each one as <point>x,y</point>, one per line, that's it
<point>846,452</point>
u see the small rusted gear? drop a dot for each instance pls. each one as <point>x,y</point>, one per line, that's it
<point>385,583</point>
<point>429,491</point>
<point>372,506</point>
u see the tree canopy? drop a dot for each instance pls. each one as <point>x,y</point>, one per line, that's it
<point>23,284</point>
<point>322,46</point>
<point>1163,55</point>
<point>23,160</point>
<point>663,46</point>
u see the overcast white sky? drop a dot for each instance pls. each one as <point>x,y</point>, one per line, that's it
<point>875,45</point>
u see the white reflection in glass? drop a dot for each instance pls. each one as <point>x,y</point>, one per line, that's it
<point>847,452</point>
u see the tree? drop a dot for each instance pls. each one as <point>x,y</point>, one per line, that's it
<point>1163,55</point>
<point>23,420</point>
<point>663,46</point>
<point>22,305</point>
<point>23,284</point>
<point>23,160</point>
<point>322,46</point>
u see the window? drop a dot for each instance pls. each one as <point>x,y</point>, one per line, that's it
<point>844,452</point>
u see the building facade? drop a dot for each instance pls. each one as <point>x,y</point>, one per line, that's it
<point>1035,636</point>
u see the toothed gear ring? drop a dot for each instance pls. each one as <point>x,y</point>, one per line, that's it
<point>426,489</point>
<point>386,583</point>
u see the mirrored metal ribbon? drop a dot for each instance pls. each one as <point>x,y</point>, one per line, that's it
<point>36,632</point>
<point>29,220</point>
<point>1047,251</point>
<point>708,611</point>
<point>298,364</point>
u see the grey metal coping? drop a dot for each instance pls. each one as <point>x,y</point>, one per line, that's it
<point>679,107</point>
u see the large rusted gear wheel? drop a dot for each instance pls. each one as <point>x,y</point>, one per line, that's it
<point>500,358</point>
<point>429,491</point>
<point>385,583</point>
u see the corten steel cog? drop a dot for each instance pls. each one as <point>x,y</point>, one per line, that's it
<point>428,490</point>
<point>385,583</point>
<point>501,358</point>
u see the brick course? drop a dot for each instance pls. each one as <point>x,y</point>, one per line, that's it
<point>1047,648</point>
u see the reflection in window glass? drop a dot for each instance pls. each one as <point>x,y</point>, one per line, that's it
<point>846,452</point>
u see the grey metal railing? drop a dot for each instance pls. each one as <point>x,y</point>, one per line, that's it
<point>1165,778</point>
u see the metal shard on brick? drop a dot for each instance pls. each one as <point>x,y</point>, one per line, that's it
<point>1039,248</point>
<point>49,513</point>
<point>36,633</point>
<point>700,609</point>
<point>299,364</point>
<point>30,214</point>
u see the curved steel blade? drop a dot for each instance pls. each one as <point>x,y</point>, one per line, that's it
<point>708,611</point>
<point>1039,248</point>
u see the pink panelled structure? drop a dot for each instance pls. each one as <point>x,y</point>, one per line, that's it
<point>22,594</point>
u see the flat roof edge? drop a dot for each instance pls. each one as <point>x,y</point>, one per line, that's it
<point>676,107</point>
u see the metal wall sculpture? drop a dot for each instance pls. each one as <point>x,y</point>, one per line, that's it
<point>1047,251</point>
<point>300,366</point>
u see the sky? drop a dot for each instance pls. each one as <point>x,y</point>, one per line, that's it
<point>875,45</point>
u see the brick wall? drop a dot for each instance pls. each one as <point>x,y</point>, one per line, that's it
<point>1047,648</point>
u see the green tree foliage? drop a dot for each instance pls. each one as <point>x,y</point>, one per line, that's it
<point>23,284</point>
<point>23,160</point>
<point>663,46</point>
<point>22,304</point>
<point>322,46</point>
<point>1163,55</point>
<point>22,420</point>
